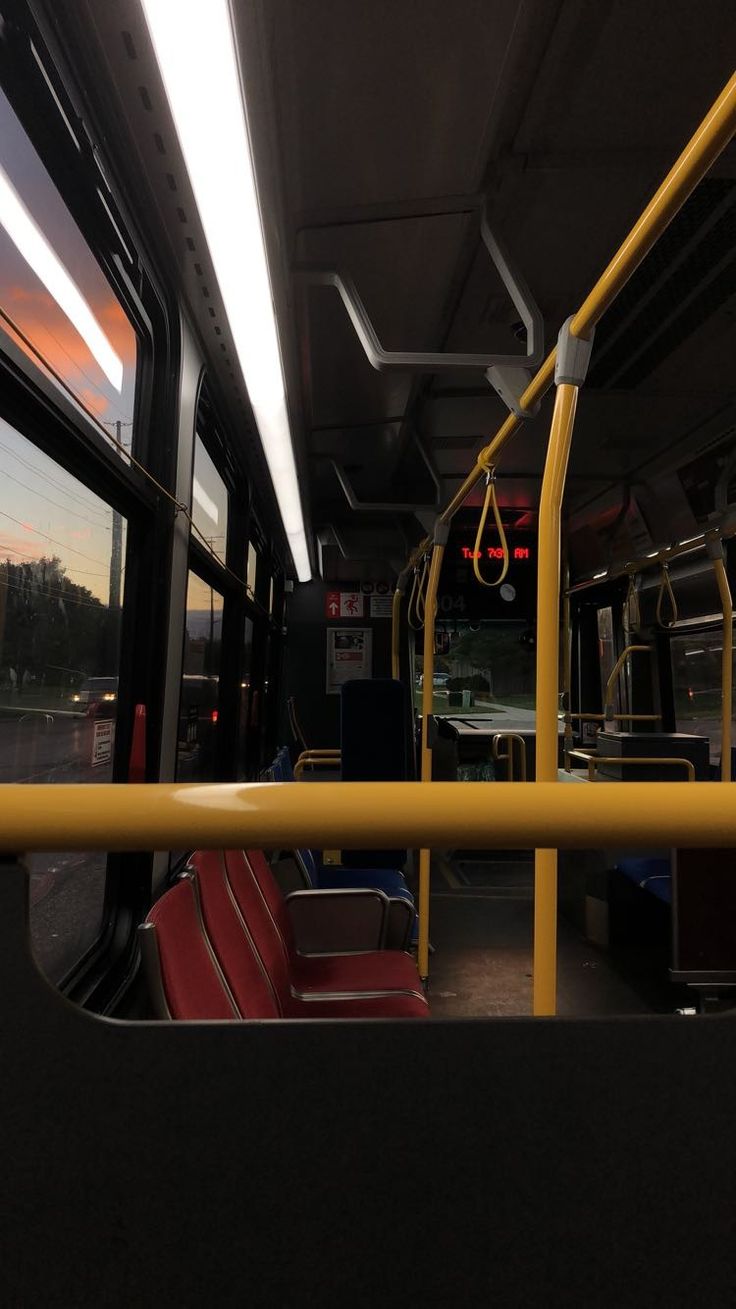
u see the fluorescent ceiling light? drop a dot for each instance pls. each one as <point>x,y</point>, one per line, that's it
<point>31,243</point>
<point>195,49</point>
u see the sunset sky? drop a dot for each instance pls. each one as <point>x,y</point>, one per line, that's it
<point>27,302</point>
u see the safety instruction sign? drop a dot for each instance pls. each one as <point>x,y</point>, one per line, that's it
<point>102,739</point>
<point>381,606</point>
<point>344,604</point>
<point>349,656</point>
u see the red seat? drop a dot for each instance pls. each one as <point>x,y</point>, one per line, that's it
<point>248,923</point>
<point>261,903</point>
<point>202,961</point>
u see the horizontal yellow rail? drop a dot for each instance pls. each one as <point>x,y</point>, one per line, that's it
<point>348,815</point>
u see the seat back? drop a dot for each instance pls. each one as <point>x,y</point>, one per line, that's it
<point>374,748</point>
<point>188,973</point>
<point>266,917</point>
<point>232,939</point>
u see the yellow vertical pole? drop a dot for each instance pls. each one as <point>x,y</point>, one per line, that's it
<point>567,666</point>
<point>715,550</point>
<point>396,633</point>
<point>571,365</point>
<point>430,612</point>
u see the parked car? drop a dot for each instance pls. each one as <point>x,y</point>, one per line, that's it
<point>438,680</point>
<point>97,697</point>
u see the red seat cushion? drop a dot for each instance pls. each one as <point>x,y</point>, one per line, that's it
<point>191,982</point>
<point>377,970</point>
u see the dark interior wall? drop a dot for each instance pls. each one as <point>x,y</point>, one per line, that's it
<point>306,659</point>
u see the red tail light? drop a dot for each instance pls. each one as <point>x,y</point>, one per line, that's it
<point>213,716</point>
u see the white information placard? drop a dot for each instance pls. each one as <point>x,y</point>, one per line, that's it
<point>349,656</point>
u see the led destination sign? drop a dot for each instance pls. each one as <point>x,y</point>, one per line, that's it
<point>519,552</point>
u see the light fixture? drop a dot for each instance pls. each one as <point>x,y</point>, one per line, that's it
<point>31,243</point>
<point>195,49</point>
<point>598,576</point>
<point>205,502</point>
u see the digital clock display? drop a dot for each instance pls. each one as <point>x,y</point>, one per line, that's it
<point>519,553</point>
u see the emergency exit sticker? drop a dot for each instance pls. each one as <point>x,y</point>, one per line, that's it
<point>344,604</point>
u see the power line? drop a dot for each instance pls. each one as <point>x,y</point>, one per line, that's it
<point>37,532</point>
<point>46,477</point>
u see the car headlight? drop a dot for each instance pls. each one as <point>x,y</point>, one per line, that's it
<point>109,696</point>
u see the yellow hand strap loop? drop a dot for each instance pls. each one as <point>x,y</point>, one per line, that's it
<point>490,500</point>
<point>665,588</point>
<point>632,609</point>
<point>415,607</point>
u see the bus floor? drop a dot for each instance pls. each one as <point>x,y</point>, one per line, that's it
<point>481,918</point>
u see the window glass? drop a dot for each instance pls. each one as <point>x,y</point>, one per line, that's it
<point>252,568</point>
<point>482,668</point>
<point>696,676</point>
<point>55,301</point>
<point>245,699</point>
<point>209,502</point>
<point>61,589</point>
<point>200,686</point>
<point>607,658</point>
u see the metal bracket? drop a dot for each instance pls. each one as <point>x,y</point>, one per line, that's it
<point>573,356</point>
<point>429,362</point>
<point>510,384</point>
<point>714,545</point>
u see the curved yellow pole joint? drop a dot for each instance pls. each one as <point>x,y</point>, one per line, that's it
<point>610,684</point>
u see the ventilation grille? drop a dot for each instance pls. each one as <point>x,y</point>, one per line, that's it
<point>689,273</point>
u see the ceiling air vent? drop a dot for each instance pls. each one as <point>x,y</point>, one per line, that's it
<point>689,273</point>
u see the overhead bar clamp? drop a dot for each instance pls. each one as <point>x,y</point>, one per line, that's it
<point>431,362</point>
<point>573,356</point>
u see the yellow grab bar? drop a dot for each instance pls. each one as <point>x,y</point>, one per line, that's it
<point>511,737</point>
<point>608,704</point>
<point>345,815</point>
<point>594,761</point>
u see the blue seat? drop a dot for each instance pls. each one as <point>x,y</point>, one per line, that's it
<point>653,875</point>
<point>324,877</point>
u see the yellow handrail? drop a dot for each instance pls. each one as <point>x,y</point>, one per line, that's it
<point>511,737</point>
<point>396,634</point>
<point>345,815</point>
<point>608,703</point>
<point>648,761</point>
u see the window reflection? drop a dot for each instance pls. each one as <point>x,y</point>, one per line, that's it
<point>200,686</point>
<point>209,502</point>
<point>696,675</point>
<point>55,302</point>
<point>61,590</point>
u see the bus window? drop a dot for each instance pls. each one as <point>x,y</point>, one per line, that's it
<point>61,585</point>
<point>209,502</point>
<point>480,668</point>
<point>696,679</point>
<point>200,684</point>
<point>56,305</point>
